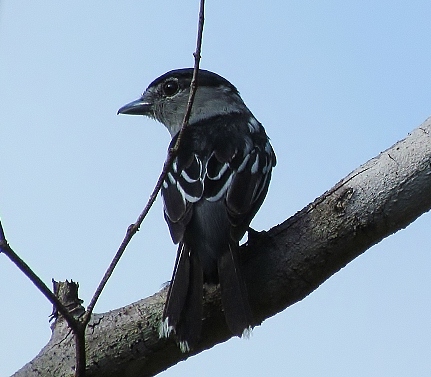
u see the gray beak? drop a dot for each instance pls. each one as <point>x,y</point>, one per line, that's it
<point>137,107</point>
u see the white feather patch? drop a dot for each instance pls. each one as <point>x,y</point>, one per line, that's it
<point>165,329</point>
<point>189,198</point>
<point>220,173</point>
<point>247,332</point>
<point>222,190</point>
<point>184,347</point>
<point>187,177</point>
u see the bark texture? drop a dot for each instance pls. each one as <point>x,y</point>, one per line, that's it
<point>280,266</point>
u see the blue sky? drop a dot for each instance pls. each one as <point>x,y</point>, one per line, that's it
<point>334,84</point>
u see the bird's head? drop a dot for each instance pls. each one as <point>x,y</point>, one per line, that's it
<point>166,98</point>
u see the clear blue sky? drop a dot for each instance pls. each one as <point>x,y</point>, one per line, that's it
<point>333,82</point>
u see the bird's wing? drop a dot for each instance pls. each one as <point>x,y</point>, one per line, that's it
<point>249,186</point>
<point>182,187</point>
<point>238,176</point>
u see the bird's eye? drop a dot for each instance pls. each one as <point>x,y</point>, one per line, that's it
<point>170,87</point>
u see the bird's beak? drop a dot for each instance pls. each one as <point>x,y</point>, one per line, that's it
<point>137,107</point>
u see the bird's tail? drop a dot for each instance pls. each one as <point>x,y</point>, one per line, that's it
<point>183,309</point>
<point>234,295</point>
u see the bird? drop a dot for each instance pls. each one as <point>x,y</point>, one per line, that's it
<point>213,188</point>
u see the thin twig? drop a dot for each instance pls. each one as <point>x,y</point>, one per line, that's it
<point>193,83</point>
<point>77,327</point>
<point>25,268</point>
<point>133,228</point>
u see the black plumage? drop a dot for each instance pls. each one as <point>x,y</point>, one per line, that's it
<point>213,189</point>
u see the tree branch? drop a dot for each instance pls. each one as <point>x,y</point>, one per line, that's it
<point>36,280</point>
<point>280,266</point>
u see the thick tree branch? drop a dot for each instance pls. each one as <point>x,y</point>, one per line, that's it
<point>281,266</point>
